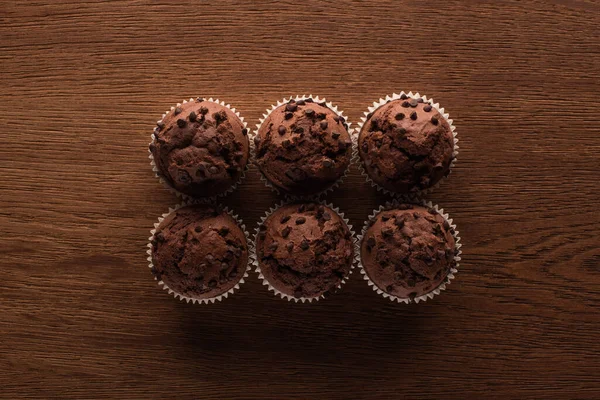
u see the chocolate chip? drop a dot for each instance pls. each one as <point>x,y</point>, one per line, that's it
<point>420,100</point>
<point>212,283</point>
<point>244,131</point>
<point>291,107</point>
<point>387,232</point>
<point>385,218</point>
<point>160,125</point>
<point>300,220</point>
<point>213,170</point>
<point>434,120</point>
<point>399,116</point>
<point>281,130</point>
<point>288,115</point>
<point>336,119</point>
<point>223,231</point>
<point>310,207</point>
<point>309,100</point>
<point>446,225</point>
<point>304,244</point>
<point>160,237</point>
<point>369,115</point>
<point>342,120</point>
<point>177,111</point>
<point>389,288</point>
<point>428,260</point>
<point>371,242</point>
<point>295,174</point>
<point>152,147</point>
<point>273,246</point>
<point>413,115</point>
<point>335,135</point>
<point>413,103</point>
<point>326,216</point>
<point>427,108</point>
<point>199,99</point>
<point>365,147</point>
<point>301,208</point>
<point>289,246</point>
<point>286,231</point>
<point>309,112</point>
<point>192,116</point>
<point>323,124</point>
<point>323,104</point>
<point>405,206</point>
<point>402,131</point>
<point>399,221</point>
<point>403,96</point>
<point>327,163</point>
<point>232,274</point>
<point>184,177</point>
<point>405,104</point>
<point>321,116</point>
<point>220,116</point>
<point>203,110</point>
<point>286,144</point>
<point>181,123</point>
<point>301,102</point>
<point>197,229</point>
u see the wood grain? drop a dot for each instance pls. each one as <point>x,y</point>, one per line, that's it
<point>81,83</point>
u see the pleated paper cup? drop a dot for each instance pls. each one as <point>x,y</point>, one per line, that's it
<point>195,300</point>
<point>449,277</point>
<point>375,106</point>
<point>334,185</point>
<point>277,292</point>
<point>187,197</point>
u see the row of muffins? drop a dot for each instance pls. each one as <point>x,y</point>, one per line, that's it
<point>303,146</point>
<point>304,251</point>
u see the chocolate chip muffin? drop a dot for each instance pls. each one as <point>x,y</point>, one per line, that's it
<point>199,251</point>
<point>304,250</point>
<point>200,148</point>
<point>406,145</point>
<point>408,250</point>
<point>303,147</point>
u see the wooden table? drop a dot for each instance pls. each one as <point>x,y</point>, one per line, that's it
<point>81,85</point>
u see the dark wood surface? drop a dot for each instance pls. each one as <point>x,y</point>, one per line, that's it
<point>81,84</point>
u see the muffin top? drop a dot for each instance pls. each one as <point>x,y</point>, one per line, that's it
<point>304,250</point>
<point>408,250</point>
<point>201,148</point>
<point>199,251</point>
<point>303,147</point>
<point>406,145</point>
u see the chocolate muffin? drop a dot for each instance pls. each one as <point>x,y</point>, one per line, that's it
<point>408,250</point>
<point>303,147</point>
<point>200,148</point>
<point>304,250</point>
<point>199,251</point>
<point>406,145</point>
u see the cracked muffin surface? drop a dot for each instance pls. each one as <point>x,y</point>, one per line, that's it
<point>406,145</point>
<point>408,250</point>
<point>199,251</point>
<point>303,147</point>
<point>200,148</point>
<point>304,250</point>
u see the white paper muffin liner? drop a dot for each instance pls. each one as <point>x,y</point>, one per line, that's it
<point>222,296</point>
<point>333,108</point>
<point>187,197</point>
<point>265,282</point>
<point>375,106</point>
<point>441,286</point>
